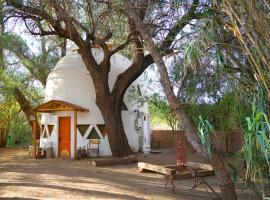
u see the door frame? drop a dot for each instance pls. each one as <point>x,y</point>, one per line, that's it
<point>59,155</point>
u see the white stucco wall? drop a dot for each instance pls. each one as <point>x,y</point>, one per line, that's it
<point>70,81</point>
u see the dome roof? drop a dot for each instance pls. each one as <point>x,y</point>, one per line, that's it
<point>70,80</point>
<point>119,63</point>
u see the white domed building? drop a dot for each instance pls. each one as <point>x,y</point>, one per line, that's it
<point>70,117</point>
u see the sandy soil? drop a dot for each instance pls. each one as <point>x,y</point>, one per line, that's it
<point>22,178</point>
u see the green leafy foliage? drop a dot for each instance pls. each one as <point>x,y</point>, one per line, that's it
<point>227,114</point>
<point>161,112</point>
<point>256,148</point>
<point>37,64</point>
<point>204,131</point>
<point>20,133</point>
<point>135,96</point>
<point>5,118</point>
<point>14,128</point>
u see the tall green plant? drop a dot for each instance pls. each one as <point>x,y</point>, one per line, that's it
<point>204,130</point>
<point>256,147</point>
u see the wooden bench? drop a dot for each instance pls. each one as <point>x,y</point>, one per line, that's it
<point>192,170</point>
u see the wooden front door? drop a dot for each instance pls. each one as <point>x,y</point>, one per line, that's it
<point>64,137</point>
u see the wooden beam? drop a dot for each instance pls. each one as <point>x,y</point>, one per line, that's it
<point>75,134</point>
<point>35,137</point>
<point>189,174</point>
<point>55,109</point>
<point>57,105</point>
<point>176,167</point>
<point>99,162</point>
<point>156,168</point>
<point>199,165</point>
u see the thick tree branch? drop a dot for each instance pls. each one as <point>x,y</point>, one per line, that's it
<point>136,69</point>
<point>179,25</point>
<point>24,104</point>
<point>123,45</point>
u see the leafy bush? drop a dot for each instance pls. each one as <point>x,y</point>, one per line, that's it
<point>20,133</point>
<point>226,114</point>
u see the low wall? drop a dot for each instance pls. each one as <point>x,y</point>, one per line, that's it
<point>165,138</point>
<point>229,142</point>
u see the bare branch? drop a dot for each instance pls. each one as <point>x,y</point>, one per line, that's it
<point>123,45</point>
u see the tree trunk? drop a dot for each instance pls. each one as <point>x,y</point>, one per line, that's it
<point>108,102</point>
<point>63,46</point>
<point>227,186</point>
<point>2,30</point>
<point>4,125</point>
<point>24,105</point>
<point>111,111</point>
<point>4,128</point>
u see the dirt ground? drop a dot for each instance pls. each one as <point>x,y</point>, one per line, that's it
<point>22,178</point>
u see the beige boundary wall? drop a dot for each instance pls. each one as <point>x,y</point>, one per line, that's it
<point>229,142</point>
<point>166,138</point>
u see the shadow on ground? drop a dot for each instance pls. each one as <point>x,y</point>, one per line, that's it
<point>25,178</point>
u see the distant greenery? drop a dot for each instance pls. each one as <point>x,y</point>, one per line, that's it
<point>161,112</point>
<point>5,118</point>
<point>14,128</point>
<point>254,121</point>
<point>20,134</point>
<point>227,114</point>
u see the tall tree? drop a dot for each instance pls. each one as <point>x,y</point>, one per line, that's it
<point>80,22</point>
<point>4,112</point>
<point>5,119</point>
<point>2,30</point>
<point>227,186</point>
<point>38,66</point>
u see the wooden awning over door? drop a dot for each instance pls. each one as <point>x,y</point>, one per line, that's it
<point>57,105</point>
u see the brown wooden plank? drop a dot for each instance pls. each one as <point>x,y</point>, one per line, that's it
<point>205,172</point>
<point>35,132</point>
<point>99,162</point>
<point>75,134</point>
<point>176,167</point>
<point>187,174</point>
<point>199,165</point>
<point>182,175</point>
<point>156,168</point>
